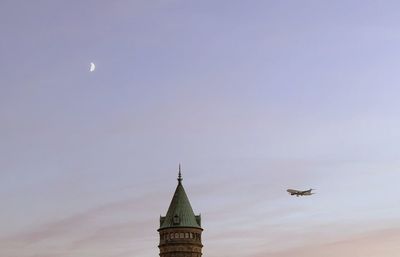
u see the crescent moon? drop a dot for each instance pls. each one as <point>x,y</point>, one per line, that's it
<point>92,67</point>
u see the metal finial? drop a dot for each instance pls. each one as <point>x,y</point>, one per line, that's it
<point>180,174</point>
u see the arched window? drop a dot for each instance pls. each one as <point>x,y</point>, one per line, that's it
<point>172,235</point>
<point>176,220</point>
<point>186,235</point>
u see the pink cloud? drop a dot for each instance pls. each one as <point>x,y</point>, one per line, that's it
<point>105,226</point>
<point>382,243</point>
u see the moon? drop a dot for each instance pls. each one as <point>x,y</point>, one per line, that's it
<point>92,67</point>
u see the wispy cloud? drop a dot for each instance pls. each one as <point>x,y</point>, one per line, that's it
<point>110,224</point>
<point>382,243</point>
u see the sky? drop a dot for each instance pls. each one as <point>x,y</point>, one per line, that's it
<point>251,97</point>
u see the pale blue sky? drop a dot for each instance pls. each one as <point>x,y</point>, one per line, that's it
<point>252,97</point>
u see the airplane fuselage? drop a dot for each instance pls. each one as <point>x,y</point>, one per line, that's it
<point>299,192</point>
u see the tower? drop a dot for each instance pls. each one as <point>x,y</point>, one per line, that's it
<point>180,229</point>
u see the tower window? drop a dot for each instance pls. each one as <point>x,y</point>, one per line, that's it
<point>176,220</point>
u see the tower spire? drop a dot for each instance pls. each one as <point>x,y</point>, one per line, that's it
<point>180,174</point>
<point>180,229</point>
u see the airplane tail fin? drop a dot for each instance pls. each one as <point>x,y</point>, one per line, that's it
<point>310,192</point>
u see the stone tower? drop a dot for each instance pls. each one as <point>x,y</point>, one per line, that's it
<point>180,229</point>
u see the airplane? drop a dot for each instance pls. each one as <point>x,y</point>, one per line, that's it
<point>300,193</point>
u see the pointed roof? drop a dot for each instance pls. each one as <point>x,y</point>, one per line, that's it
<point>180,212</point>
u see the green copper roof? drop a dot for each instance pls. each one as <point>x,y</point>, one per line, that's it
<point>180,212</point>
